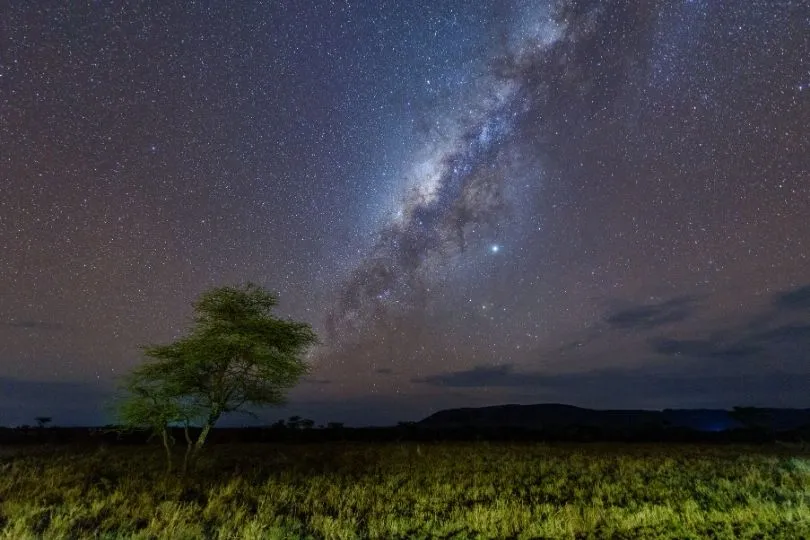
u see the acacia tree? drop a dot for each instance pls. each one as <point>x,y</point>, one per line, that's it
<point>237,354</point>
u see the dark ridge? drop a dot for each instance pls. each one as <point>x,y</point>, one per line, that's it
<point>556,416</point>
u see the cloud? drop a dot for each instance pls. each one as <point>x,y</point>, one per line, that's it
<point>786,334</point>
<point>796,299</point>
<point>704,349</point>
<point>789,343</point>
<point>636,388</point>
<point>649,316</point>
<point>313,380</point>
<point>769,333</point>
<point>33,325</point>
<point>483,376</point>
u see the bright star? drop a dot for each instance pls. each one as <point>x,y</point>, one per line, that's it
<point>495,248</point>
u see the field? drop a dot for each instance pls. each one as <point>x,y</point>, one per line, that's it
<point>441,490</point>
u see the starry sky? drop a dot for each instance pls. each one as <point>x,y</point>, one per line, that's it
<point>599,203</point>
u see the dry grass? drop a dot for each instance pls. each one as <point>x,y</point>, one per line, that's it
<point>453,490</point>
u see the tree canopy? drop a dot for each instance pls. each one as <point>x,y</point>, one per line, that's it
<point>236,355</point>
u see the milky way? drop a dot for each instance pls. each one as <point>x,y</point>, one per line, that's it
<point>455,189</point>
<point>459,185</point>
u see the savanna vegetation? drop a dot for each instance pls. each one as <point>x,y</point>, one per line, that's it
<point>443,490</point>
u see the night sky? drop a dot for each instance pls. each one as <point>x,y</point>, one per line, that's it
<point>600,203</point>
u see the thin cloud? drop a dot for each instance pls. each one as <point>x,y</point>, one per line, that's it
<point>649,316</point>
<point>796,299</point>
<point>33,325</point>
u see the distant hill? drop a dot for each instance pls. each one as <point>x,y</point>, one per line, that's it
<point>557,416</point>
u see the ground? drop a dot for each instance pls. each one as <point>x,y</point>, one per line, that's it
<point>437,490</point>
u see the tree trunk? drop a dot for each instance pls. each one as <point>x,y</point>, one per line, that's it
<point>212,419</point>
<point>164,435</point>
<point>201,439</point>
<point>189,448</point>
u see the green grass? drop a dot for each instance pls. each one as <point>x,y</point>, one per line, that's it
<point>449,490</point>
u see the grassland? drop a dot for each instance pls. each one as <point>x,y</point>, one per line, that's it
<point>447,490</point>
